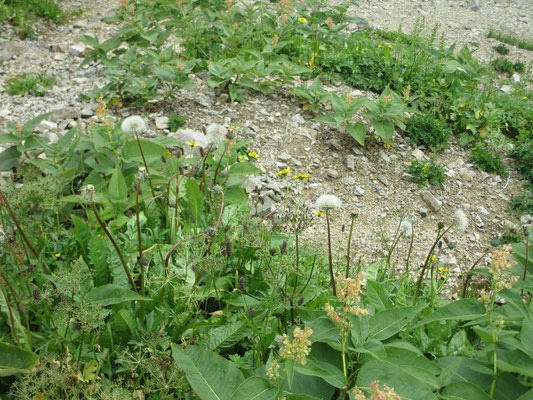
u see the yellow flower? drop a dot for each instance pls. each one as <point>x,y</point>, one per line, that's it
<point>380,46</point>
<point>253,154</point>
<point>443,270</point>
<point>390,46</point>
<point>57,255</point>
<point>192,143</point>
<point>319,213</point>
<point>284,171</point>
<point>443,277</point>
<point>525,97</point>
<point>301,177</point>
<point>302,20</point>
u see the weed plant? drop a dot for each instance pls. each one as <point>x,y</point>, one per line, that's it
<point>504,65</point>
<point>428,131</point>
<point>502,49</point>
<point>35,84</point>
<point>522,43</point>
<point>427,172</point>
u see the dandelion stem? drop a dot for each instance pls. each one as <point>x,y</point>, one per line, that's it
<point>126,269</point>
<point>332,277</point>
<point>354,217</point>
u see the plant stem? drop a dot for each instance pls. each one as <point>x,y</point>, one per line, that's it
<point>21,231</point>
<point>218,165</point>
<point>139,238</point>
<point>126,269</point>
<point>19,300</point>
<point>469,274</point>
<point>332,277</point>
<point>354,217</point>
<point>12,317</point>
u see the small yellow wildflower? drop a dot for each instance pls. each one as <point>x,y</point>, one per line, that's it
<point>319,213</point>
<point>57,255</point>
<point>460,275</point>
<point>302,20</point>
<point>192,143</point>
<point>443,277</point>
<point>525,97</point>
<point>443,270</point>
<point>380,46</point>
<point>285,171</point>
<point>253,154</point>
<point>301,177</point>
<point>389,46</point>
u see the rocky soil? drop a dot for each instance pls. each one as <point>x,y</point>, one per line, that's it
<point>370,181</point>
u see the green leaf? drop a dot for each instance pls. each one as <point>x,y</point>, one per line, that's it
<point>117,185</point>
<point>289,369</point>
<point>29,127</point>
<point>98,257</point>
<point>405,384</point>
<point>152,151</point>
<point>324,370</point>
<point>8,138</point>
<point>331,119</point>
<point>14,360</point>
<point>211,376</point>
<point>516,361</point>
<point>299,396</point>
<point>357,131</point>
<point>244,168</point>
<point>463,391</point>
<point>165,74</point>
<point>113,294</point>
<point>224,336</point>
<point>387,323</point>
<point>195,197</point>
<point>464,309</point>
<point>377,296</point>
<point>385,130</point>
<point>254,388</point>
<point>9,158</point>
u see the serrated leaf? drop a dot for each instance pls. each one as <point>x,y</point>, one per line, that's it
<point>98,257</point>
<point>225,336</point>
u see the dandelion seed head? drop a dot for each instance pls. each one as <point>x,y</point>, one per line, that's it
<point>134,125</point>
<point>459,220</point>
<point>328,202</point>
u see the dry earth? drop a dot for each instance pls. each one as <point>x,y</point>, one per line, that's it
<point>368,180</point>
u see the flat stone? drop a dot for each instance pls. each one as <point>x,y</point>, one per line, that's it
<point>334,144</point>
<point>431,201</point>
<point>515,78</point>
<point>383,179</point>
<point>162,122</point>
<point>332,173</point>
<point>349,162</point>
<point>77,50</point>
<point>483,210</point>
<point>410,178</point>
<point>418,154</point>
<point>423,212</point>
<point>359,191</point>
<point>66,113</point>
<point>298,119</point>
<point>285,157</point>
<point>383,156</point>
<point>8,51</point>
<point>203,100</point>
<point>349,181</point>
<point>47,125</point>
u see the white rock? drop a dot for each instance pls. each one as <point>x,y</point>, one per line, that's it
<point>161,122</point>
<point>298,119</point>
<point>418,154</point>
<point>515,78</point>
<point>77,50</point>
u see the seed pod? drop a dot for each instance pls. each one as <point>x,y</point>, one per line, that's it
<point>228,247</point>
<point>36,294</point>
<point>283,249</point>
<point>242,283</point>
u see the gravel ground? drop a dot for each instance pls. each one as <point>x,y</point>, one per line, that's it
<point>369,181</point>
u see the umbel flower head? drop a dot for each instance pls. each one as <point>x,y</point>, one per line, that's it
<point>328,202</point>
<point>459,220</point>
<point>134,125</point>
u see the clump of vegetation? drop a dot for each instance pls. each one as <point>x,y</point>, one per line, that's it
<point>427,172</point>
<point>504,65</point>
<point>502,49</point>
<point>522,43</point>
<point>488,159</point>
<point>35,84</point>
<point>22,13</point>
<point>429,131</point>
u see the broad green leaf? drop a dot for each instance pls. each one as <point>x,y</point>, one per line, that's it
<point>255,388</point>
<point>377,296</point>
<point>324,329</point>
<point>404,383</point>
<point>211,376</point>
<point>14,360</point>
<point>225,336</point>
<point>357,131</point>
<point>29,127</point>
<point>300,397</point>
<point>324,370</point>
<point>243,168</point>
<point>123,326</point>
<point>164,73</point>
<point>385,130</point>
<point>8,138</point>
<point>331,119</point>
<point>527,396</point>
<point>113,294</point>
<point>152,151</point>
<point>464,309</point>
<point>9,158</point>
<point>117,185</point>
<point>526,334</point>
<point>289,369</point>
<point>464,391</point>
<point>387,323</point>
<point>98,257</point>
<point>195,198</point>
<point>516,361</point>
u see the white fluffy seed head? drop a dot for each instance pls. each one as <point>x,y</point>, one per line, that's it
<point>134,125</point>
<point>328,202</point>
<point>406,228</point>
<point>459,220</point>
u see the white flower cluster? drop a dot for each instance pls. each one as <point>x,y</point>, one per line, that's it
<point>459,220</point>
